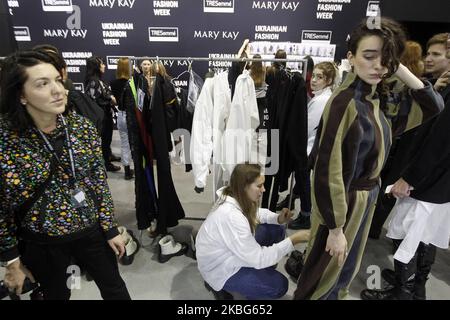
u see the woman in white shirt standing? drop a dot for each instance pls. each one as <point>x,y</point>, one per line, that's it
<point>322,85</point>
<point>239,243</point>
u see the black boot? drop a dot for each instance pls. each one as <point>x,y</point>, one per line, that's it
<point>389,276</point>
<point>285,202</point>
<point>111,167</point>
<point>301,222</point>
<point>400,291</point>
<point>129,173</point>
<point>425,259</point>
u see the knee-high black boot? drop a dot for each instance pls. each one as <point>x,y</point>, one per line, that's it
<point>389,275</point>
<point>425,259</point>
<point>401,290</point>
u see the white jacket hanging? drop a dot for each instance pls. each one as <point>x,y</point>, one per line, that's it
<point>210,116</point>
<point>240,138</point>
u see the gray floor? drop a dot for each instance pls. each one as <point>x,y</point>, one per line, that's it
<point>147,279</point>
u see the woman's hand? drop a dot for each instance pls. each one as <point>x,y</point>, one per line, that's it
<point>337,245</point>
<point>284,216</point>
<point>300,236</point>
<point>15,276</point>
<point>408,78</point>
<point>401,189</point>
<point>118,245</point>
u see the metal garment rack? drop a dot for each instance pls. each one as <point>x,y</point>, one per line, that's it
<point>192,59</point>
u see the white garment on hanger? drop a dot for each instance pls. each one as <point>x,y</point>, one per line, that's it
<point>240,137</point>
<point>201,136</point>
<point>210,118</point>
<point>417,221</point>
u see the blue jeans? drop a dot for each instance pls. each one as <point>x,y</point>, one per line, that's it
<point>258,284</point>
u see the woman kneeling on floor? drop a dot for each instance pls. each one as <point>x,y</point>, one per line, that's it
<point>239,244</point>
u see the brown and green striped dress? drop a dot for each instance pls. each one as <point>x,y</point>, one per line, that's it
<point>355,137</point>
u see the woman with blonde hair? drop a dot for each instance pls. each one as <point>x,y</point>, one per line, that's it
<point>117,88</point>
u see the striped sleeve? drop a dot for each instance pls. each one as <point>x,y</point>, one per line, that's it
<point>328,181</point>
<point>416,107</point>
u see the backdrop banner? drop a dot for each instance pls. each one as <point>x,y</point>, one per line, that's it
<point>191,28</point>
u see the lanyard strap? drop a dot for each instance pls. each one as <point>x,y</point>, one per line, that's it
<point>69,145</point>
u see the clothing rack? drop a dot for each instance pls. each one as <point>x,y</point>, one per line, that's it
<point>192,59</point>
<point>304,62</point>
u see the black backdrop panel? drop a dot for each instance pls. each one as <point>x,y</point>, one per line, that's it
<point>176,28</point>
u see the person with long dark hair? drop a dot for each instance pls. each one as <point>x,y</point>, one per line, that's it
<point>55,203</point>
<point>353,139</point>
<point>98,90</point>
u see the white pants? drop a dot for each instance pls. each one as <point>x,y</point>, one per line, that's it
<point>124,143</point>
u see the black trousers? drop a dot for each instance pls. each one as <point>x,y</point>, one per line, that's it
<point>51,266</point>
<point>107,134</point>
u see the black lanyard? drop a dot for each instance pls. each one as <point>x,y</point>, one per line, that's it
<point>69,145</point>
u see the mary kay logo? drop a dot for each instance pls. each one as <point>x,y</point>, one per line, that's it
<point>22,33</point>
<point>111,61</point>
<point>57,5</point>
<point>163,34</point>
<point>232,35</point>
<point>222,6</point>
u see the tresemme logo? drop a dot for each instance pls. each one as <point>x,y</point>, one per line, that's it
<point>111,61</point>
<point>22,34</point>
<point>57,5</point>
<point>163,34</point>
<point>316,35</point>
<point>223,6</point>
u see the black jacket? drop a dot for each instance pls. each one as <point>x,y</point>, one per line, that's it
<point>429,170</point>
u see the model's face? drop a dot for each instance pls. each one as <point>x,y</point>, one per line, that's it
<point>436,61</point>
<point>43,92</point>
<point>146,65</point>
<point>367,60</point>
<point>256,189</point>
<point>318,80</point>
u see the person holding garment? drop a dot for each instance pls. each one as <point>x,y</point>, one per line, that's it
<point>239,243</point>
<point>54,197</point>
<point>353,139</point>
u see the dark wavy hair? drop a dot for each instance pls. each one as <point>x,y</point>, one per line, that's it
<point>393,36</point>
<point>13,76</point>
<point>93,69</point>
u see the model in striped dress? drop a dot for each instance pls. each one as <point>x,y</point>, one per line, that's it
<point>352,143</point>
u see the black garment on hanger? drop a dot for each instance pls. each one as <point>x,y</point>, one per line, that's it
<point>145,203</point>
<point>169,206</point>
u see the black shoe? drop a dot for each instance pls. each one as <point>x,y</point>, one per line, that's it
<point>129,173</point>
<point>114,158</point>
<point>219,295</point>
<point>294,264</point>
<point>300,223</point>
<point>389,276</point>
<point>285,203</point>
<point>111,167</point>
